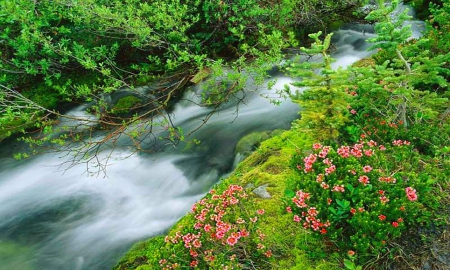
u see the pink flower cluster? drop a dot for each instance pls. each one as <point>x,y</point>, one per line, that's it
<point>300,199</point>
<point>309,215</point>
<point>356,151</point>
<point>388,179</point>
<point>214,227</point>
<point>309,161</point>
<point>400,143</point>
<point>338,188</point>
<point>411,194</point>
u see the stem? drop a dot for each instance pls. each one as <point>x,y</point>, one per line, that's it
<point>407,65</point>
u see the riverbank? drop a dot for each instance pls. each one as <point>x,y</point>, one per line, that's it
<point>380,189</point>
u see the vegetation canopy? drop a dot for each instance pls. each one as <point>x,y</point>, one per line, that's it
<point>54,54</point>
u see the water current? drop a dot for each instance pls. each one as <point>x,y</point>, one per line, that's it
<point>51,218</point>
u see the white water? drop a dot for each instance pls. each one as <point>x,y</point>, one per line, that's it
<point>56,219</point>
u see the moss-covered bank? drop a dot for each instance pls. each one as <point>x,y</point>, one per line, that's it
<point>269,164</point>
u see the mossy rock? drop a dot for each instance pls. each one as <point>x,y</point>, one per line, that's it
<point>365,62</point>
<point>126,104</point>
<point>250,142</point>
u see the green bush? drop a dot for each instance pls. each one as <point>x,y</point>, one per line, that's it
<point>222,235</point>
<point>360,196</point>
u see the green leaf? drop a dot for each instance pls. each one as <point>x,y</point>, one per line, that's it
<point>349,264</point>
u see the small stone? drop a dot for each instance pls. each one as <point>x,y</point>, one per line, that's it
<point>249,185</point>
<point>262,192</point>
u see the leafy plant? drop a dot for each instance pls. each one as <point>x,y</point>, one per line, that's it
<point>359,196</point>
<point>224,236</point>
<point>324,95</point>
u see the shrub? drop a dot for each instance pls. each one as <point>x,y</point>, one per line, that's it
<point>360,196</point>
<point>224,235</point>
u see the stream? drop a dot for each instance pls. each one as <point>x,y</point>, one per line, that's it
<point>52,218</point>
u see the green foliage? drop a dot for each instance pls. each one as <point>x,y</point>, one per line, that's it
<point>325,99</point>
<point>360,196</point>
<point>109,44</point>
<point>390,90</point>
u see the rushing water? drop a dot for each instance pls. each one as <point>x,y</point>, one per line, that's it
<point>55,219</point>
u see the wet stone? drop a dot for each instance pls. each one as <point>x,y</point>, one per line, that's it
<point>262,192</point>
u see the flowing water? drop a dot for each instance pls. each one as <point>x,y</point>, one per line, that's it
<point>51,218</point>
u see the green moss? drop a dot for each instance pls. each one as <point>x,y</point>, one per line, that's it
<point>293,247</point>
<point>365,62</point>
<point>250,142</point>
<point>141,255</point>
<point>125,105</point>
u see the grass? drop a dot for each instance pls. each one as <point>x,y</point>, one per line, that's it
<point>293,247</point>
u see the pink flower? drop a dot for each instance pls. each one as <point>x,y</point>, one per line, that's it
<point>220,234</point>
<point>312,212</point>
<point>372,143</point>
<point>353,111</point>
<point>382,217</point>
<point>369,152</point>
<point>384,199</point>
<point>388,179</point>
<point>317,146</point>
<point>327,161</point>
<point>254,219</point>
<point>207,227</point>
<point>411,194</point>
<point>297,218</point>
<point>260,211</point>
<point>330,169</point>
<point>240,221</point>
<point>324,185</point>
<point>193,253</point>
<point>364,179</point>
<point>194,263</point>
<point>268,253</point>
<point>353,211</point>
<point>367,169</point>
<point>234,200</point>
<point>244,233</point>
<point>319,178</point>
<point>356,152</point>
<point>351,253</point>
<point>397,142</point>
<point>236,188</point>
<point>344,151</point>
<point>338,188</point>
<point>382,148</point>
<point>231,240</point>
<point>197,243</point>
<point>395,224</point>
<point>289,209</point>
